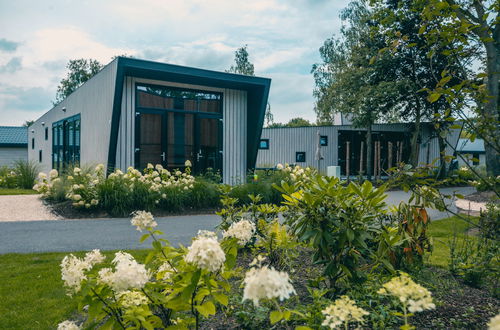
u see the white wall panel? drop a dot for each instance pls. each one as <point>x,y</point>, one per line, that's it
<point>8,156</point>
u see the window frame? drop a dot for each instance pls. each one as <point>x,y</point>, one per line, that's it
<point>323,140</point>
<point>267,144</point>
<point>66,150</point>
<point>297,153</point>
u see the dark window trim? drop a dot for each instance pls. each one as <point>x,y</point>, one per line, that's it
<point>32,143</point>
<point>40,155</point>
<point>323,138</point>
<point>46,133</point>
<point>297,153</point>
<point>267,144</point>
<point>64,154</point>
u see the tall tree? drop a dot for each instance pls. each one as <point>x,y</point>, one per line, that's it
<point>294,122</point>
<point>242,63</point>
<point>400,22</point>
<point>349,82</point>
<point>79,71</point>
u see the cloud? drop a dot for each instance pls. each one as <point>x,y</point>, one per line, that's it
<point>7,45</point>
<point>27,99</point>
<point>13,65</point>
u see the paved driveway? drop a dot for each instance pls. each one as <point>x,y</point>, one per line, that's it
<point>111,234</point>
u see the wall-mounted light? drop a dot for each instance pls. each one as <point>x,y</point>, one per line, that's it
<point>32,131</point>
<point>63,109</point>
<point>43,123</point>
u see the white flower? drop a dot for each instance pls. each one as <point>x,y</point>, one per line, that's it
<point>132,298</point>
<point>70,177</point>
<point>343,310</point>
<point>128,273</point>
<point>188,163</point>
<point>206,234</point>
<point>75,186</point>
<point>143,220</point>
<point>53,174</point>
<point>206,253</point>
<point>94,202</point>
<point>42,176</point>
<point>150,166</point>
<point>68,325</point>
<point>165,271</point>
<point>266,283</point>
<point>494,323</point>
<point>76,197</point>
<point>242,230</point>
<point>73,272</point>
<point>279,166</point>
<point>415,296</point>
<point>94,257</point>
<point>76,170</point>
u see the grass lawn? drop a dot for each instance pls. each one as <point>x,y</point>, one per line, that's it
<point>17,191</point>
<point>33,296</point>
<point>441,232</point>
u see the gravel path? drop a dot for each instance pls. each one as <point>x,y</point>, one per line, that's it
<point>24,208</point>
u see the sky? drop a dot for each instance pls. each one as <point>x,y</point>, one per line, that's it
<point>38,38</point>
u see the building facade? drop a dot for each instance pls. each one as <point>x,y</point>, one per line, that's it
<point>344,146</point>
<point>134,112</point>
<point>471,152</point>
<point>13,145</point>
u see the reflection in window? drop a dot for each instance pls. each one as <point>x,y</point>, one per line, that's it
<point>300,157</point>
<point>264,144</point>
<point>171,98</point>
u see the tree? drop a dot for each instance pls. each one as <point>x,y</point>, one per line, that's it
<point>242,63</point>
<point>269,116</point>
<point>294,122</point>
<point>349,82</point>
<point>466,23</point>
<point>400,22</point>
<point>80,71</point>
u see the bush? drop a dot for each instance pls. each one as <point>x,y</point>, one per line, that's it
<point>26,173</point>
<point>8,178</point>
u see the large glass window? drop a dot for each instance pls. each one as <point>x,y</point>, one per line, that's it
<point>66,143</point>
<point>171,98</point>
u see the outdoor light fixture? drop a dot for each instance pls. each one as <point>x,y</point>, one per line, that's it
<point>32,131</point>
<point>63,109</point>
<point>43,123</point>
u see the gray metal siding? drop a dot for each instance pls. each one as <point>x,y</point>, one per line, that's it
<point>8,156</point>
<point>234,128</point>
<point>285,142</point>
<point>94,102</point>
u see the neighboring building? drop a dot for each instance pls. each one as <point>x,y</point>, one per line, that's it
<point>298,145</point>
<point>135,112</point>
<point>471,152</point>
<point>13,144</point>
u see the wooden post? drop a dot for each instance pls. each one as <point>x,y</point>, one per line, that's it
<point>389,154</point>
<point>379,159</point>
<point>401,152</point>
<point>348,159</point>
<point>361,160</point>
<point>375,160</point>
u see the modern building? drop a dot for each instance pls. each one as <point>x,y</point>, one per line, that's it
<point>135,112</point>
<point>13,144</point>
<point>471,152</point>
<point>345,146</point>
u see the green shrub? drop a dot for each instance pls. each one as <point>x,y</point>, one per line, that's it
<point>8,178</point>
<point>26,173</point>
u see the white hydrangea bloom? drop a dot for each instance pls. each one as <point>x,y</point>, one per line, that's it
<point>128,274</point>
<point>150,166</point>
<point>143,220</point>
<point>188,163</point>
<point>73,272</point>
<point>77,171</point>
<point>206,233</point>
<point>415,296</point>
<point>242,230</point>
<point>53,174</point>
<point>266,283</point>
<point>343,310</point>
<point>494,323</point>
<point>206,253</point>
<point>132,298</point>
<point>94,257</point>
<point>165,271</point>
<point>68,325</point>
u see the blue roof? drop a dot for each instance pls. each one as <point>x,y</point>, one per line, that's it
<point>13,136</point>
<point>466,145</point>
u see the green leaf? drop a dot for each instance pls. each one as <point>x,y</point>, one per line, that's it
<point>275,316</point>
<point>434,97</point>
<point>303,327</point>
<point>144,237</point>
<point>221,298</point>
<point>206,309</point>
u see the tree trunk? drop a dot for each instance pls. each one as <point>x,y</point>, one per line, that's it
<point>369,153</point>
<point>442,159</point>
<point>492,107</point>
<point>415,137</point>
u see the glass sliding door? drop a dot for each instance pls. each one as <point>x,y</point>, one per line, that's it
<point>66,143</point>
<point>176,125</point>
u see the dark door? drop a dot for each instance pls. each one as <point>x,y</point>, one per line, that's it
<point>150,146</point>
<point>208,144</point>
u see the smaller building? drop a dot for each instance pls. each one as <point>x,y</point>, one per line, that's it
<point>13,144</point>
<point>471,152</point>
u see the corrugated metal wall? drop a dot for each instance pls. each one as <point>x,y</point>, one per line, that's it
<point>285,142</point>
<point>94,102</point>
<point>234,128</point>
<point>8,156</point>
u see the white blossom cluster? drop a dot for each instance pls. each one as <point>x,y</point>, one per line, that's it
<point>45,183</point>
<point>415,296</point>
<point>68,325</point>
<point>165,272</point>
<point>73,269</point>
<point>494,323</point>
<point>83,188</point>
<point>143,220</point>
<point>263,282</point>
<point>9,177</point>
<point>296,173</point>
<point>128,273</point>
<point>132,298</point>
<point>342,311</point>
<point>242,230</point>
<point>206,253</point>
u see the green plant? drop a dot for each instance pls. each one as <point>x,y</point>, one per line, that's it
<point>8,177</point>
<point>26,173</point>
<point>337,221</point>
